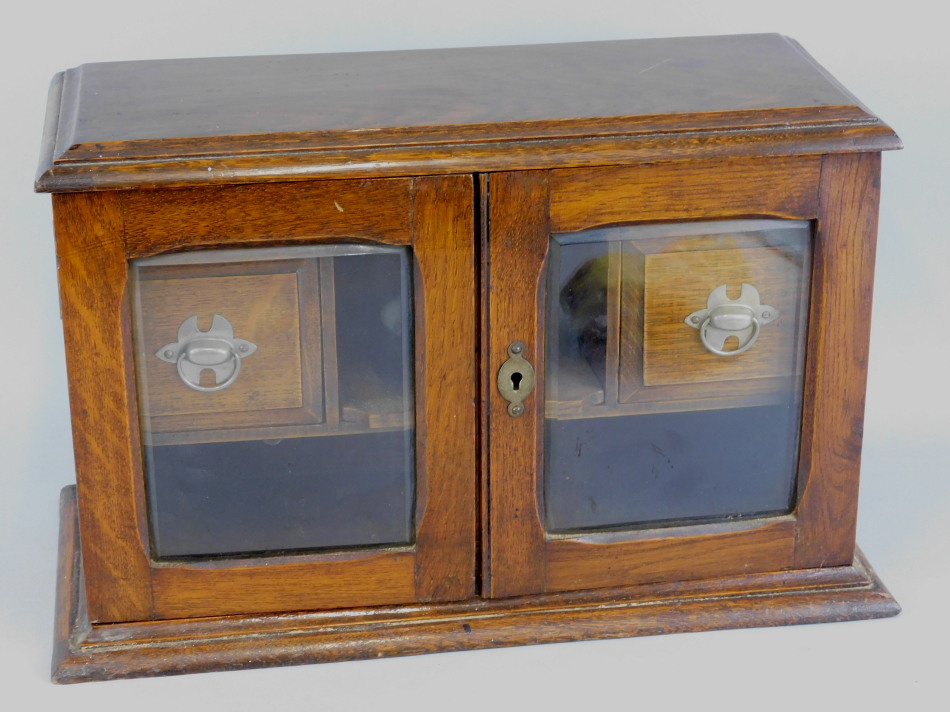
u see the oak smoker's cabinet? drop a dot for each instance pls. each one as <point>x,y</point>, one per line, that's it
<point>385,353</point>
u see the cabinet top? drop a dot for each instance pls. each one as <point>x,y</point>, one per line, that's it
<point>268,118</point>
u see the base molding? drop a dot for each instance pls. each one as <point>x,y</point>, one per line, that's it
<point>86,652</point>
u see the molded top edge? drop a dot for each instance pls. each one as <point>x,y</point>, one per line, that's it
<point>299,110</point>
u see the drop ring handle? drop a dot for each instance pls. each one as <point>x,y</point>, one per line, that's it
<point>744,343</point>
<point>723,318</point>
<point>231,365</point>
<point>215,349</point>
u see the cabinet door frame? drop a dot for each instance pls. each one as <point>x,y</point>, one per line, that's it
<point>839,194</point>
<point>99,232</point>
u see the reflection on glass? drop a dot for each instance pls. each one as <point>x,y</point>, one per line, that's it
<point>673,392</point>
<point>275,396</point>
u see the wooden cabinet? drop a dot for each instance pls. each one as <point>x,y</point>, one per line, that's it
<point>371,355</point>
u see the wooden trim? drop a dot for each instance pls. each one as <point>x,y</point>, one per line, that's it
<point>774,119</point>
<point>85,652</point>
<point>267,215</point>
<point>439,159</point>
<point>291,583</point>
<point>783,187</point>
<point>440,564</point>
<point>708,551</point>
<point>123,584</point>
<point>518,247</point>
<point>836,360</point>
<point>93,279</point>
<point>535,562</point>
<point>446,403</point>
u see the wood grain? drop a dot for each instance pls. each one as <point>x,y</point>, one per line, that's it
<point>440,565</point>
<point>446,405</point>
<point>519,234</point>
<point>95,310</point>
<point>783,187</point>
<point>447,156</point>
<point>267,215</point>
<point>837,360</point>
<point>274,304</point>
<point>223,154</point>
<point>679,283</point>
<point>702,551</point>
<point>296,583</point>
<point>180,122</point>
<point>263,309</point>
<point>93,257</point>
<point>87,652</point>
<point>518,246</point>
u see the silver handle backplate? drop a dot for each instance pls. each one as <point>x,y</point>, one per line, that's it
<point>723,317</point>
<point>215,349</point>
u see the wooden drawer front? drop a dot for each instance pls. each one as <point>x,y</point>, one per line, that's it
<point>664,281</point>
<point>272,304</point>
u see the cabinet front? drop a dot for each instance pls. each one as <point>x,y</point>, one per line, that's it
<point>660,321</point>
<point>305,430</point>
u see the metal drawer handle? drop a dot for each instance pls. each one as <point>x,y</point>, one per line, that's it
<point>723,317</point>
<point>197,350</point>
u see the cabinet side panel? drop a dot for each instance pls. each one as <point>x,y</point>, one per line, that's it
<point>446,387</point>
<point>836,361</point>
<point>518,247</point>
<point>93,278</point>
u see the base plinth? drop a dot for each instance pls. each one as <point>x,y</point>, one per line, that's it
<point>84,651</point>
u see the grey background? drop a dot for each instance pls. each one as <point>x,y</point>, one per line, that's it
<point>894,58</point>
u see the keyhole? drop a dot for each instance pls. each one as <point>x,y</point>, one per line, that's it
<point>516,380</point>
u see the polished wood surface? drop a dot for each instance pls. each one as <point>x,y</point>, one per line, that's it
<point>584,199</point>
<point>685,553</point>
<point>678,283</point>
<point>239,119</point>
<point>518,246</point>
<point>785,187</point>
<point>266,309</point>
<point>446,408</point>
<point>837,359</point>
<point>267,215</point>
<point>94,244</point>
<point>85,652</point>
<point>93,284</point>
<point>549,562</point>
<point>470,159</point>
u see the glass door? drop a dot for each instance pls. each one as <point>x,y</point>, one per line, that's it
<point>660,314</point>
<point>301,435</point>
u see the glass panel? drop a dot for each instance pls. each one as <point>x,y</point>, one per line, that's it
<point>673,373</point>
<point>276,399</point>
